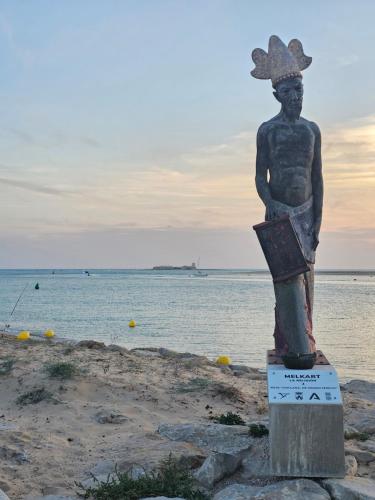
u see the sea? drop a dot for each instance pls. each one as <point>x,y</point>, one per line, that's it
<point>227,312</point>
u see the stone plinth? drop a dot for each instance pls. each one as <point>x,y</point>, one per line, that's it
<point>306,422</point>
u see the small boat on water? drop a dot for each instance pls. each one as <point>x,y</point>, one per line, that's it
<point>198,272</point>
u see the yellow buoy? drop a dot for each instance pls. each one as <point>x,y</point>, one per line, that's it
<point>49,333</point>
<point>223,360</point>
<point>132,323</point>
<point>24,335</point>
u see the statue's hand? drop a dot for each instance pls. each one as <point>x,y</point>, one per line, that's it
<point>315,234</point>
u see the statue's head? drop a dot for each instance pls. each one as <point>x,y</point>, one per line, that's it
<point>283,65</point>
<point>289,93</point>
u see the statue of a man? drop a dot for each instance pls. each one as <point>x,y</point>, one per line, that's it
<point>289,181</point>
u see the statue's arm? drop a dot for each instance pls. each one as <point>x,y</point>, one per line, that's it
<point>261,180</point>
<point>317,184</point>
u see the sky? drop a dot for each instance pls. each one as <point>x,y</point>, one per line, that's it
<point>127,129</point>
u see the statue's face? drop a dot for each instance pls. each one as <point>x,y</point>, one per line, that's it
<point>290,94</point>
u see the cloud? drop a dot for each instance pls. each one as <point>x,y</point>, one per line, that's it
<point>30,186</point>
<point>207,188</point>
<point>22,136</point>
<point>349,173</point>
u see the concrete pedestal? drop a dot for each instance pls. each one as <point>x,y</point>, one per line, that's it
<point>306,421</point>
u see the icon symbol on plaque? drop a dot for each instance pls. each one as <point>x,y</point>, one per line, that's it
<point>283,394</point>
<point>299,395</point>
<point>328,396</point>
<point>314,396</point>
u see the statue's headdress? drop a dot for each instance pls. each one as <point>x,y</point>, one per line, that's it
<point>281,62</point>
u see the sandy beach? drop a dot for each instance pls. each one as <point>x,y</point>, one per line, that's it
<point>110,410</point>
<point>62,438</point>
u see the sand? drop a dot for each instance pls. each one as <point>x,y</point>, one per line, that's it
<point>46,447</point>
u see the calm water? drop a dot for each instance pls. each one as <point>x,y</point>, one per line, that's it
<point>228,312</point>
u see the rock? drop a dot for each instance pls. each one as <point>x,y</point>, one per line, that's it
<point>351,465</point>
<point>146,354</point>
<point>367,445</point>
<point>162,498</point>
<point>136,471</point>
<point>229,439</point>
<point>216,467</point>
<point>356,488</point>
<point>91,344</point>
<point>93,482</point>
<point>297,489</point>
<point>362,388</point>
<point>226,370</point>
<point>362,456</point>
<point>13,455</point>
<point>366,424</point>
<point>3,496</point>
<point>108,417</point>
<point>49,497</point>
<point>116,348</point>
<point>7,426</point>
<point>167,353</point>
<point>256,461</point>
<point>103,467</point>
<point>239,370</point>
<point>237,492</point>
<point>242,368</point>
<point>106,470</point>
<point>191,460</point>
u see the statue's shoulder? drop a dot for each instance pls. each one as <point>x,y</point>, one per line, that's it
<point>314,127</point>
<point>267,126</point>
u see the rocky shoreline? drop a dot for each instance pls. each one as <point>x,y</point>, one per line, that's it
<point>126,410</point>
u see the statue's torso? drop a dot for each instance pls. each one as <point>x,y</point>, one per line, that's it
<point>290,156</point>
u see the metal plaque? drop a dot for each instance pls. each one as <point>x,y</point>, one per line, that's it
<point>316,386</point>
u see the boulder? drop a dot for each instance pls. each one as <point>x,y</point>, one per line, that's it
<point>230,439</point>
<point>94,481</point>
<point>3,496</point>
<point>355,488</point>
<point>216,467</point>
<point>237,492</point>
<point>297,489</point>
<point>117,348</point>
<point>256,460</point>
<point>351,465</point>
<point>48,497</point>
<point>367,445</point>
<point>362,456</point>
<point>162,498</point>
<point>146,353</point>
<point>102,467</point>
<point>366,424</point>
<point>91,344</point>
<point>362,389</point>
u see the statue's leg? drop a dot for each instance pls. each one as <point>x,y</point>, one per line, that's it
<point>309,283</point>
<point>293,314</point>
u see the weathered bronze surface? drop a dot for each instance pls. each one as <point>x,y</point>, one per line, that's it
<point>289,182</point>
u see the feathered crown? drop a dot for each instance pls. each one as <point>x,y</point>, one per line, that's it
<point>281,62</point>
